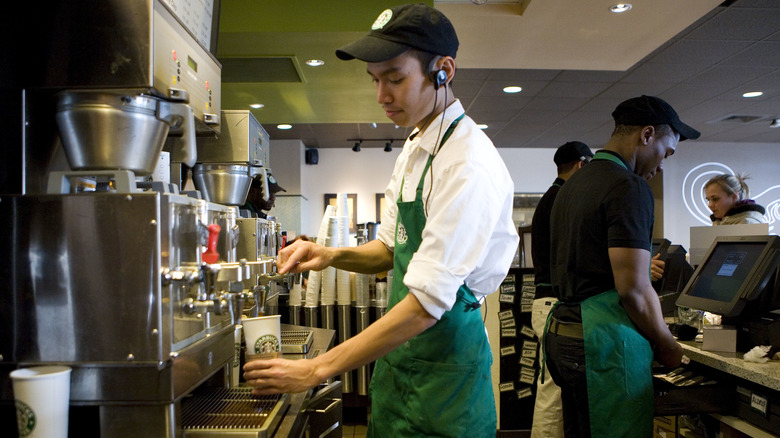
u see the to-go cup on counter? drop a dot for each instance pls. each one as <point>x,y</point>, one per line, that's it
<point>42,397</point>
<point>263,337</point>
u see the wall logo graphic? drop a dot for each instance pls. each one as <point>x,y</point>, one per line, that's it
<point>696,204</point>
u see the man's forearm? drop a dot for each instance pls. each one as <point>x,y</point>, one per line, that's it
<point>404,321</point>
<point>369,258</point>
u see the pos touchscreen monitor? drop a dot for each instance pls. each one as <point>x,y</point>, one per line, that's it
<point>734,272</point>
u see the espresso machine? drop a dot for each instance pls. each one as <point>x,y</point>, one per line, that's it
<point>226,166</point>
<point>135,286</point>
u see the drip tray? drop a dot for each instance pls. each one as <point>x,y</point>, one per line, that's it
<point>296,341</point>
<point>217,412</point>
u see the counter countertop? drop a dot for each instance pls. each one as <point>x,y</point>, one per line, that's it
<point>765,374</point>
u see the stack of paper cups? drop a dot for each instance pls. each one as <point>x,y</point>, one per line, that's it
<point>313,289</point>
<point>324,224</point>
<point>328,296</point>
<point>296,291</point>
<point>315,277</point>
<point>343,230</point>
<point>343,289</point>
<point>342,208</point>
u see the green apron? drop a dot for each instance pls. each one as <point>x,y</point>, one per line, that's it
<point>618,364</point>
<point>437,383</point>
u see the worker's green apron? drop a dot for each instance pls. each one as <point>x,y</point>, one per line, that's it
<point>437,383</point>
<point>618,362</point>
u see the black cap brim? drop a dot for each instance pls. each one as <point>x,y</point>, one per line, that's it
<point>371,49</point>
<point>685,131</point>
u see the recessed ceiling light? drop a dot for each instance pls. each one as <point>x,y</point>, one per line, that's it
<point>513,89</point>
<point>620,7</point>
<point>314,62</point>
<point>284,126</point>
<point>256,105</point>
<point>753,94</point>
<point>482,126</point>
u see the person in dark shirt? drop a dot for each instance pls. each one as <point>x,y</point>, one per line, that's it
<point>568,159</point>
<point>256,203</point>
<point>607,327</point>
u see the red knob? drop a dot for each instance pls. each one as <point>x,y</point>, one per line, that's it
<point>211,255</point>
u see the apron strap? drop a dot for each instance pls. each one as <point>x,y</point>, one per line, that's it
<point>606,156</point>
<point>446,136</point>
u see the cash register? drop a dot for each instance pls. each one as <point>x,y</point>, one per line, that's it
<point>738,279</point>
<point>677,272</point>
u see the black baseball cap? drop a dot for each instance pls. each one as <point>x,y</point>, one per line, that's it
<point>273,185</point>
<point>571,152</point>
<point>651,110</point>
<point>401,28</point>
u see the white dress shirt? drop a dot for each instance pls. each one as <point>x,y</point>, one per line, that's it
<point>469,235</point>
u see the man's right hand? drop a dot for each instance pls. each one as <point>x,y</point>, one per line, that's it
<point>670,355</point>
<point>303,256</point>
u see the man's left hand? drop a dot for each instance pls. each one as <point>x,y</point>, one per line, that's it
<point>657,267</point>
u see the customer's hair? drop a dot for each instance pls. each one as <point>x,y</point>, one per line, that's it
<point>731,184</point>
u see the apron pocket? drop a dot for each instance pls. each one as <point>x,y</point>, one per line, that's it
<point>637,373</point>
<point>451,399</point>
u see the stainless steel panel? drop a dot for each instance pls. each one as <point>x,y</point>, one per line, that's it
<point>180,63</point>
<point>85,279</point>
<point>242,140</point>
<point>256,238</point>
<point>133,44</point>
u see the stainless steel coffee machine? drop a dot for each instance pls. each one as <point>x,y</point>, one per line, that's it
<point>122,281</point>
<point>226,166</point>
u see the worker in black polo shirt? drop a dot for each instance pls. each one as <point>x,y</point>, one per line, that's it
<point>568,159</point>
<point>607,327</point>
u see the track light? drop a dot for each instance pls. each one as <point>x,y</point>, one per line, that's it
<point>389,146</point>
<point>356,148</point>
<point>775,123</point>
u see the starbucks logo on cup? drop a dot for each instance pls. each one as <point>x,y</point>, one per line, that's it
<point>267,344</point>
<point>25,419</point>
<point>237,355</point>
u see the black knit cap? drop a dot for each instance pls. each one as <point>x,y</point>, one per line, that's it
<point>571,152</point>
<point>401,28</point>
<point>651,110</point>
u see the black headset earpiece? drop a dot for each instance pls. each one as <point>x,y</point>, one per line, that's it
<point>438,78</point>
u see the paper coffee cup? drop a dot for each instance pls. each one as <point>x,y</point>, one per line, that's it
<point>263,337</point>
<point>42,396</point>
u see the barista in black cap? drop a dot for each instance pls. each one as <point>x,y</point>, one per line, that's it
<point>609,317</point>
<point>569,158</point>
<point>256,203</point>
<point>447,234</point>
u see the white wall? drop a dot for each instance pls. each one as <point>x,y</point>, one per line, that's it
<point>532,170</point>
<point>695,162</point>
<point>367,172</point>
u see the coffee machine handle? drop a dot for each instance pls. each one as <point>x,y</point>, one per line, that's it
<point>187,151</point>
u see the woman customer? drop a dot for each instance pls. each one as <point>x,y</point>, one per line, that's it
<point>727,197</point>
